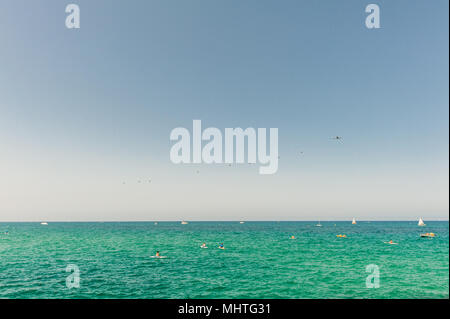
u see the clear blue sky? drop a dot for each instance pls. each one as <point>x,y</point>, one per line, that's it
<point>82,111</point>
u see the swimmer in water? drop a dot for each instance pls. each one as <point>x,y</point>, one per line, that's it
<point>221,246</point>
<point>157,254</point>
<point>203,245</point>
<point>292,237</point>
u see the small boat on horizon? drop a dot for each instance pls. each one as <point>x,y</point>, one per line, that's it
<point>241,222</point>
<point>319,224</point>
<point>421,223</point>
<point>428,235</point>
<point>354,221</point>
<point>184,223</point>
<point>44,223</point>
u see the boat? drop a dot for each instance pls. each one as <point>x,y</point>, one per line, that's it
<point>341,236</point>
<point>421,223</point>
<point>319,224</point>
<point>241,222</point>
<point>184,223</point>
<point>428,235</point>
<point>354,221</point>
<point>44,223</point>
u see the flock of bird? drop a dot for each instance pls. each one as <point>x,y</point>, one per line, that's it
<point>336,138</point>
<point>139,181</point>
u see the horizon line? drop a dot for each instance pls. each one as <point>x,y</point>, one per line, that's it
<point>194,221</point>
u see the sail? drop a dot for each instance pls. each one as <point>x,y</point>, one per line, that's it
<point>421,223</point>
<point>354,221</point>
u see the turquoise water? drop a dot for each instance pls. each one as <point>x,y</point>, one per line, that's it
<point>260,261</point>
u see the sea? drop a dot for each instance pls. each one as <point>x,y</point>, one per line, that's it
<point>97,260</point>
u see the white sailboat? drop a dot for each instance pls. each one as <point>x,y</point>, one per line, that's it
<point>241,222</point>
<point>421,223</point>
<point>319,224</point>
<point>184,223</point>
<point>44,223</point>
<point>354,221</point>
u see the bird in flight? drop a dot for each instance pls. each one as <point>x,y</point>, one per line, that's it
<point>337,138</point>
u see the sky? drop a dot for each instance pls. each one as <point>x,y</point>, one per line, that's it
<point>86,114</point>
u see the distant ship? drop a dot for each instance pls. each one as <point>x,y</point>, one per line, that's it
<point>354,221</point>
<point>184,223</point>
<point>319,224</point>
<point>241,222</point>
<point>421,223</point>
<point>44,223</point>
